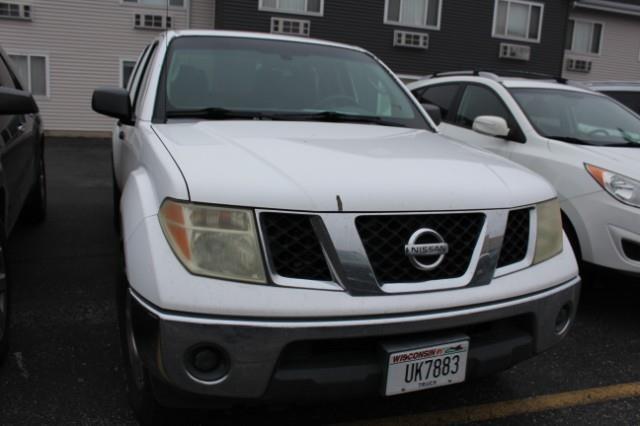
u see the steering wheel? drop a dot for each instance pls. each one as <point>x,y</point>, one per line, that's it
<point>596,132</point>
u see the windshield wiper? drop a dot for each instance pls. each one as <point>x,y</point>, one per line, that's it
<point>335,117</point>
<point>627,137</point>
<point>215,113</point>
<point>570,139</point>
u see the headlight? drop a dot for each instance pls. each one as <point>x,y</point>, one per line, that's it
<point>213,241</point>
<point>620,187</point>
<point>549,235</point>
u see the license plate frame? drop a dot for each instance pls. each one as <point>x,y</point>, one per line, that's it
<point>412,359</point>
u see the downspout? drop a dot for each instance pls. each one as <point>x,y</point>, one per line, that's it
<point>188,14</point>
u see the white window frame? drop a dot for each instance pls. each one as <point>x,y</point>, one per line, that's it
<point>264,8</point>
<point>301,22</point>
<point>120,71</point>
<point>426,11</point>
<point>21,4</point>
<point>573,37</point>
<point>494,34</point>
<point>138,3</point>
<point>47,71</point>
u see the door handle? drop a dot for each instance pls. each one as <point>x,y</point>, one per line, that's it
<point>21,128</point>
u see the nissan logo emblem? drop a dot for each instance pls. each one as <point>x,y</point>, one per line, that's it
<point>414,250</point>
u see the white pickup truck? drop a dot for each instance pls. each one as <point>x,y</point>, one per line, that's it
<point>295,227</point>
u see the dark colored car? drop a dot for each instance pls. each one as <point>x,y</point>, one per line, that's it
<point>625,92</point>
<point>22,175</point>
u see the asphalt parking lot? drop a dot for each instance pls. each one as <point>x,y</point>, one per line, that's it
<point>64,365</point>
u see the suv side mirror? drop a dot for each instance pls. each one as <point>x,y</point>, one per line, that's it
<point>491,125</point>
<point>113,102</point>
<point>13,101</point>
<point>434,112</point>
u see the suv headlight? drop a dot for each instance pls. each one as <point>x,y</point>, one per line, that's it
<point>549,235</point>
<point>622,188</point>
<point>213,241</point>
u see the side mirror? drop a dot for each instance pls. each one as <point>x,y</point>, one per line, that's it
<point>434,112</point>
<point>491,125</point>
<point>13,101</point>
<point>113,102</point>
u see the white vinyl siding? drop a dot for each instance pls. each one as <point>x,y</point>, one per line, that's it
<point>84,41</point>
<point>584,36</point>
<point>299,7</point>
<point>518,20</point>
<point>202,14</point>
<point>33,72</point>
<point>619,47</point>
<point>413,13</point>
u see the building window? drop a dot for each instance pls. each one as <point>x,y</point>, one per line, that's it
<point>290,26</point>
<point>33,72</point>
<point>156,3</point>
<point>518,20</point>
<point>584,36</point>
<point>15,11</point>
<point>126,71</point>
<point>300,7</point>
<point>414,13</point>
<point>152,22</point>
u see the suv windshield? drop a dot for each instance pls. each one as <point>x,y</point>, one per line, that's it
<point>245,78</point>
<point>579,117</point>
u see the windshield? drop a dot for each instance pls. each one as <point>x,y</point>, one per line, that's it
<point>579,117</point>
<point>226,78</point>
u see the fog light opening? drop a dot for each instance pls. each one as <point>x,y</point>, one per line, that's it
<point>563,319</point>
<point>207,363</point>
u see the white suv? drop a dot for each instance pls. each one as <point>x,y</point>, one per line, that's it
<point>586,144</point>
<point>294,227</point>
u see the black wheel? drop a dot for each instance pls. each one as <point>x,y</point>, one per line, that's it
<point>139,383</point>
<point>4,304</point>
<point>35,209</point>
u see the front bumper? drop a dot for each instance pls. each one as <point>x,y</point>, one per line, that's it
<point>283,359</point>
<point>604,226</point>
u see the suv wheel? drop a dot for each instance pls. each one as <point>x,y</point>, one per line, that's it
<point>35,209</point>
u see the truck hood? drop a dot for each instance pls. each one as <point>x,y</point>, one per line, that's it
<point>309,166</point>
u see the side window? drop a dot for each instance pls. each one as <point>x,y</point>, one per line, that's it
<point>477,101</point>
<point>135,76</point>
<point>144,79</point>
<point>442,95</point>
<point>6,79</point>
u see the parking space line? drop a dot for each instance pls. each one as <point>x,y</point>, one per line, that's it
<point>535,404</point>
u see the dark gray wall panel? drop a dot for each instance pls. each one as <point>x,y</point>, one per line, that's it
<point>463,42</point>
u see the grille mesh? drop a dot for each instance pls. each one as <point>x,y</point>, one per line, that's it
<point>294,247</point>
<point>516,238</point>
<point>384,238</point>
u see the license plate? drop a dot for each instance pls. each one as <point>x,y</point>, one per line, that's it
<point>427,367</point>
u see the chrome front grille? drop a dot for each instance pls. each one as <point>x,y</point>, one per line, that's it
<point>384,239</point>
<point>293,247</point>
<point>516,238</point>
<point>364,254</point>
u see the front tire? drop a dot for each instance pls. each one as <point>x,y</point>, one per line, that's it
<point>146,408</point>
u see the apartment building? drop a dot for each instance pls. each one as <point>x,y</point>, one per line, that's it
<point>66,48</point>
<point>418,37</point>
<point>603,40</point>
